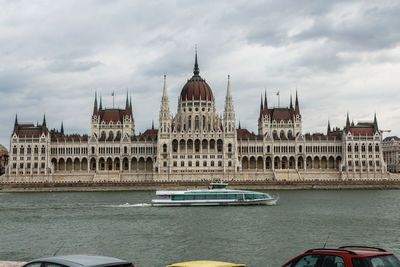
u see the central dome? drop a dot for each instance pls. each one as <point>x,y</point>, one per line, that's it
<point>196,88</point>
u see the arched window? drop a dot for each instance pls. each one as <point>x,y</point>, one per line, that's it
<point>29,150</point>
<point>376,148</point>
<point>282,133</point>
<point>363,148</point>
<point>356,148</point>
<point>229,148</point>
<point>111,135</point>
<point>274,133</point>
<point>92,149</point>
<point>189,123</point>
<point>370,148</point>
<point>196,123</point>
<point>43,150</point>
<point>118,135</point>
<point>103,135</point>
<point>290,133</point>
<point>14,150</point>
<point>204,122</point>
<point>36,150</point>
<point>349,148</point>
<point>164,148</point>
<point>21,150</point>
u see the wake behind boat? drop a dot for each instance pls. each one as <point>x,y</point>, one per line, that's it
<point>217,195</point>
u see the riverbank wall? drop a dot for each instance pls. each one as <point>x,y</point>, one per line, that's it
<point>171,185</point>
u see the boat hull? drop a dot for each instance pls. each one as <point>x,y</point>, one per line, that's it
<point>160,203</point>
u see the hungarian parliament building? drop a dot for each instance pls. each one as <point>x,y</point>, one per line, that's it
<point>196,143</point>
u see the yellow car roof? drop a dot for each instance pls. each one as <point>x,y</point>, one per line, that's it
<point>206,264</point>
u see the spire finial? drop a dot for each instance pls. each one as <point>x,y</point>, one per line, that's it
<point>329,126</point>
<point>127,100</point>
<point>152,124</point>
<point>95,99</point>
<point>347,120</point>
<point>228,88</point>
<point>44,120</point>
<point>265,99</point>
<point>62,127</point>
<point>297,108</point>
<point>261,105</point>
<point>130,103</point>
<point>239,125</point>
<point>101,103</point>
<point>16,119</point>
<point>196,70</point>
<point>291,103</point>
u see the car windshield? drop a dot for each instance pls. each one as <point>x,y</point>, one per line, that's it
<point>379,261</point>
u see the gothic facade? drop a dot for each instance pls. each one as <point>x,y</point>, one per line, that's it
<point>197,141</point>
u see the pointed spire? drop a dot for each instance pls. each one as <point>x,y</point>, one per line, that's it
<point>16,120</point>
<point>95,104</point>
<point>347,120</point>
<point>291,103</point>
<point>261,105</point>
<point>152,124</point>
<point>127,100</point>
<point>62,127</point>
<point>329,127</point>
<point>239,125</point>
<point>130,104</point>
<point>297,108</point>
<point>265,100</point>
<point>375,120</point>
<point>101,104</point>
<point>228,88</point>
<point>196,70</point>
<point>44,120</point>
<point>165,95</point>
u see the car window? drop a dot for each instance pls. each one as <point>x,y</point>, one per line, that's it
<point>308,261</point>
<point>332,261</point>
<point>53,265</point>
<point>34,264</point>
<point>385,261</point>
<point>380,261</point>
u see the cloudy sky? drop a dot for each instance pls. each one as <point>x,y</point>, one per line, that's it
<point>342,56</point>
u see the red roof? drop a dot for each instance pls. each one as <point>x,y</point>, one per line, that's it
<point>196,89</point>
<point>29,130</point>
<point>245,134</point>
<point>362,131</point>
<point>114,115</point>
<point>284,114</point>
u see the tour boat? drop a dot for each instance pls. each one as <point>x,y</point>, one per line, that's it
<point>216,195</point>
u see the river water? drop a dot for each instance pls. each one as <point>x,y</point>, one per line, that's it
<point>124,225</point>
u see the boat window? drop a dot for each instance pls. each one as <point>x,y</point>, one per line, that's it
<point>189,197</point>
<point>210,196</point>
<point>178,197</point>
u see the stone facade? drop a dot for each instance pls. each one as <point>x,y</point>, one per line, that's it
<point>3,159</point>
<point>391,153</point>
<point>196,143</point>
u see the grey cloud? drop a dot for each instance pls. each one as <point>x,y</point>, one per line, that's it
<point>55,55</point>
<point>72,66</point>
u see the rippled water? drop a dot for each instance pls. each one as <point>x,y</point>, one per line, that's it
<point>124,225</point>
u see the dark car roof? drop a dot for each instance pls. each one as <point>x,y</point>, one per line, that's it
<point>82,260</point>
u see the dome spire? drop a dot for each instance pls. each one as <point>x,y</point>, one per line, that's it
<point>196,70</point>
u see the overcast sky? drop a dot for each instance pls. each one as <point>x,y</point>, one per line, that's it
<point>342,56</point>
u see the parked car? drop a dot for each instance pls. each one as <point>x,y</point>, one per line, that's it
<point>79,261</point>
<point>206,264</point>
<point>347,256</point>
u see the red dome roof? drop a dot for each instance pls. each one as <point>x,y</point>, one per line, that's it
<point>196,89</point>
